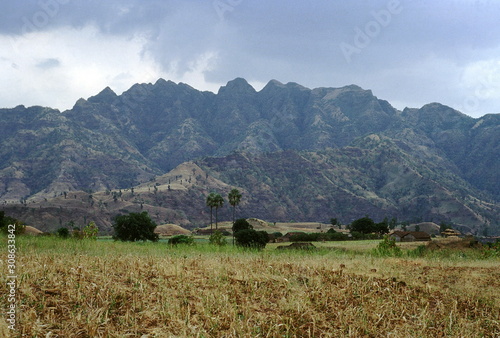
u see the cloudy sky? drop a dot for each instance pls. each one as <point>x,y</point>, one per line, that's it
<point>407,52</point>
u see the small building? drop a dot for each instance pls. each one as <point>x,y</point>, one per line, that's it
<point>416,236</point>
<point>398,235</point>
<point>451,233</point>
<point>410,236</point>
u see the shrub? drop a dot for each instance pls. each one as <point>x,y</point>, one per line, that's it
<point>5,221</point>
<point>387,247</point>
<point>181,239</point>
<point>357,235</point>
<point>264,235</point>
<point>418,252</point>
<point>277,234</point>
<point>62,232</point>
<point>90,231</point>
<point>217,238</point>
<point>360,236</point>
<point>77,234</point>
<point>316,236</point>
<point>250,238</point>
<point>299,237</point>
<point>492,249</point>
<point>337,236</point>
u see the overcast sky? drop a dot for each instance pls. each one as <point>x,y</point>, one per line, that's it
<point>54,52</point>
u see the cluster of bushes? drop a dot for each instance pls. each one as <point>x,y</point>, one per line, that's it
<point>243,232</point>
<point>355,235</point>
<point>5,221</point>
<point>217,238</point>
<point>247,237</point>
<point>332,235</point>
<point>366,225</point>
<point>492,249</point>
<point>181,239</point>
<point>317,236</point>
<point>90,231</point>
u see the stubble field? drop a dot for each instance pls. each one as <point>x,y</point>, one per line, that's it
<point>83,288</point>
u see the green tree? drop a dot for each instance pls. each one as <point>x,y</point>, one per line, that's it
<point>134,227</point>
<point>404,225</point>
<point>382,227</point>
<point>234,199</point>
<point>364,225</point>
<point>392,223</point>
<point>250,238</point>
<point>241,224</point>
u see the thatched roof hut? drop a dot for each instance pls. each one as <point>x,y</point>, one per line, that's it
<point>450,232</point>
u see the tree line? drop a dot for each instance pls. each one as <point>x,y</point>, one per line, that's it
<point>215,200</point>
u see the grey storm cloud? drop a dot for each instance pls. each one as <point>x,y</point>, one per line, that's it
<point>298,30</point>
<point>387,45</point>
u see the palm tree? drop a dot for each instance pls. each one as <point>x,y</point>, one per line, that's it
<point>218,203</point>
<point>211,204</point>
<point>234,199</point>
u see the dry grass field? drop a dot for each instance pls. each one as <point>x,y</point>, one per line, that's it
<point>71,288</point>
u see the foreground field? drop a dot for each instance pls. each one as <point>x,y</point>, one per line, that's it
<point>70,288</point>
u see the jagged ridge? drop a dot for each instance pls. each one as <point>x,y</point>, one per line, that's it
<point>118,141</point>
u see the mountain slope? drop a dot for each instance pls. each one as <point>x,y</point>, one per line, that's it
<point>432,162</point>
<point>375,178</point>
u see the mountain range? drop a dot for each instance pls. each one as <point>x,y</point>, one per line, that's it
<point>295,153</point>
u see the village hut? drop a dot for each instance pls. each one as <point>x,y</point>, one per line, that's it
<point>451,233</point>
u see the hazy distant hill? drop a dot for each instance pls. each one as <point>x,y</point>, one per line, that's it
<point>298,153</point>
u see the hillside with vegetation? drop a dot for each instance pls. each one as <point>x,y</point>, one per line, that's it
<point>295,153</point>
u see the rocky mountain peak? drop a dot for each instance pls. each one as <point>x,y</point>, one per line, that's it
<point>237,86</point>
<point>434,154</point>
<point>105,96</point>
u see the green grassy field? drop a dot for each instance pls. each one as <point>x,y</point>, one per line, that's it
<point>85,288</point>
